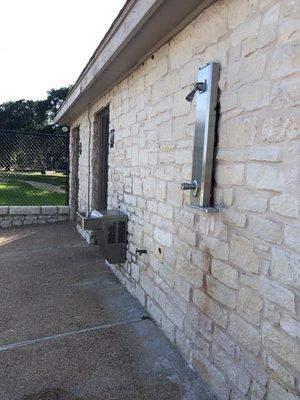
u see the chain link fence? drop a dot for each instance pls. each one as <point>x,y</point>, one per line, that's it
<point>34,169</point>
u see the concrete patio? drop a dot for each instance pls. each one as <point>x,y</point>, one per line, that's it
<point>69,330</point>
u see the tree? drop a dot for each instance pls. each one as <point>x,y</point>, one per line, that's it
<point>17,115</point>
<point>55,99</point>
<point>33,116</point>
<point>29,116</point>
<point>19,160</point>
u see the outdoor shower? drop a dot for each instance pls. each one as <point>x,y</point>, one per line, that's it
<point>206,92</point>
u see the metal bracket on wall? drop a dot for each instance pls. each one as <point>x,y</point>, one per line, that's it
<point>204,139</point>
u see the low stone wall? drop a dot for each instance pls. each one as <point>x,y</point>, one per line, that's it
<point>28,215</point>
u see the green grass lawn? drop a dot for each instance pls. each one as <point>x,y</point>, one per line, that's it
<point>14,191</point>
<point>57,179</point>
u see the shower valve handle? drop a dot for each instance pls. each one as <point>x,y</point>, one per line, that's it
<point>191,186</point>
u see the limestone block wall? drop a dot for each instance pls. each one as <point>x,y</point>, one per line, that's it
<point>84,173</point>
<point>29,215</point>
<point>74,150</point>
<point>223,287</point>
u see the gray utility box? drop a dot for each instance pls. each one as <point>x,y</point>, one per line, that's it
<point>110,227</point>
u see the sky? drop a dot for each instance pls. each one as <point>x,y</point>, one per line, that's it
<point>45,44</point>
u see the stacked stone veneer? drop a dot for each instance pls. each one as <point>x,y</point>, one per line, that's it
<point>28,215</point>
<point>224,288</point>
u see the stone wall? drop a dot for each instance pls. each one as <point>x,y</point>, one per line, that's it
<point>224,288</point>
<point>28,215</point>
<point>73,176</point>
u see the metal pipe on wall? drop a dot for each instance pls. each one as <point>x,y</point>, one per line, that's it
<point>89,161</point>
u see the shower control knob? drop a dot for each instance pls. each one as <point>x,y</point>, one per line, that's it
<point>191,186</point>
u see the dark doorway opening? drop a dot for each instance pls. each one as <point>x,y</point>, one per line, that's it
<point>103,125</point>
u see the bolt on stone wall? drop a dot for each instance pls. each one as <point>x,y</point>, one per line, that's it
<point>224,288</point>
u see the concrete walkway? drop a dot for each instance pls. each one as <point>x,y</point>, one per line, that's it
<point>45,186</point>
<point>70,331</point>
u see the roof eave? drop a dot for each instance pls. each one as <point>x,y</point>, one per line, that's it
<point>140,29</point>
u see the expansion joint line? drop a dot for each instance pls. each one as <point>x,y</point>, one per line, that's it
<point>67,334</point>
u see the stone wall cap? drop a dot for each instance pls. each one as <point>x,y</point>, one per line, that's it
<point>63,209</point>
<point>3,210</point>
<point>23,210</point>
<point>49,209</point>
